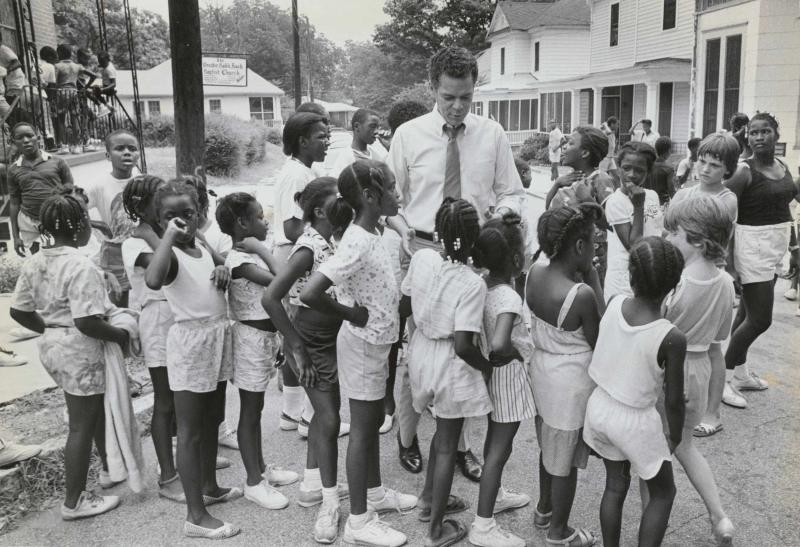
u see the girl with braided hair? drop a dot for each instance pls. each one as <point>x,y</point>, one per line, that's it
<point>566,302</point>
<point>702,308</point>
<point>501,249</point>
<point>68,291</point>
<point>445,364</point>
<point>367,301</point>
<point>638,356</point>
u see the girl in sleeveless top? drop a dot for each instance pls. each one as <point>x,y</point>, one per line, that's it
<point>637,353</point>
<point>198,352</point>
<point>765,188</point>
<point>565,318</point>
<point>501,249</point>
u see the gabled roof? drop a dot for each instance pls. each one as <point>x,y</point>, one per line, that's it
<point>157,82</point>
<point>525,15</point>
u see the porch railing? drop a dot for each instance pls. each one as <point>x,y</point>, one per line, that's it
<point>516,138</point>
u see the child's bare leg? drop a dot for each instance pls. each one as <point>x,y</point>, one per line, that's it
<point>545,504</point>
<point>440,470</point>
<point>215,414</point>
<point>716,385</point>
<point>618,480</point>
<point>323,432</point>
<point>496,451</point>
<point>248,434</point>
<point>563,494</point>
<point>700,475</point>
<point>162,421</point>
<point>84,413</point>
<point>364,415</point>
<point>656,515</point>
<point>100,439</point>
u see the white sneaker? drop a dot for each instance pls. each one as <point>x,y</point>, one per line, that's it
<point>287,423</point>
<point>310,498</point>
<point>731,397</point>
<point>791,294</point>
<point>266,496</point>
<point>374,533</point>
<point>494,536</point>
<point>227,438</point>
<point>326,527</point>
<point>302,428</point>
<point>388,422</point>
<point>278,476</point>
<point>752,382</point>
<point>508,501</point>
<point>89,505</point>
<point>9,358</point>
<point>105,481</point>
<point>18,334</point>
<point>11,453</point>
<point>393,501</point>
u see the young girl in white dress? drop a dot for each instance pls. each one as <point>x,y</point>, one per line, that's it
<point>566,302</point>
<point>638,355</point>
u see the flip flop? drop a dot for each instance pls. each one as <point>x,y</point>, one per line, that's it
<point>541,520</point>
<point>584,538</point>
<point>706,430</point>
<point>459,533</point>
<point>454,505</point>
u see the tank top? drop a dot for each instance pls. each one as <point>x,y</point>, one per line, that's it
<point>765,201</point>
<point>625,359</point>
<point>192,294</point>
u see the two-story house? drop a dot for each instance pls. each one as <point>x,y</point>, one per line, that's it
<point>581,61</point>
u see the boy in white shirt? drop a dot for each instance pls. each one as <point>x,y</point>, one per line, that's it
<point>554,148</point>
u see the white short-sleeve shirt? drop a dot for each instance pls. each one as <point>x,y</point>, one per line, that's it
<point>292,178</point>
<point>141,294</point>
<point>244,296</point>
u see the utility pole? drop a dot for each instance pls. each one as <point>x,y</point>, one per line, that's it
<point>310,61</point>
<point>298,86</point>
<point>187,84</point>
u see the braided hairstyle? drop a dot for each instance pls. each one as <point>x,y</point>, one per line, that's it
<point>561,227</point>
<point>655,267</point>
<point>176,187</point>
<point>138,194</point>
<point>458,228</point>
<point>766,117</point>
<point>707,225</point>
<point>359,176</point>
<point>232,207</point>
<point>199,184</point>
<point>499,241</point>
<point>314,196</point>
<point>63,215</point>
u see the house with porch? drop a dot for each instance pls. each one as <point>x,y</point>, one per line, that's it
<point>581,61</point>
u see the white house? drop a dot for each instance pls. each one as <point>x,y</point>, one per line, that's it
<point>748,59</point>
<point>340,114</point>
<point>258,100</point>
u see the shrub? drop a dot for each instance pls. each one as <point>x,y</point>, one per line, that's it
<point>535,148</point>
<point>158,131</point>
<point>232,143</point>
<point>9,272</point>
<point>275,136</point>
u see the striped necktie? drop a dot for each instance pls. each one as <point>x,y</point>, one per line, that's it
<point>452,170</point>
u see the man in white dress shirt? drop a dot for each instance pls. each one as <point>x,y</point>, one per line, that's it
<point>448,152</point>
<point>645,134</point>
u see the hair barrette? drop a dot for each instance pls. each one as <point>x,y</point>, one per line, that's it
<point>338,195</point>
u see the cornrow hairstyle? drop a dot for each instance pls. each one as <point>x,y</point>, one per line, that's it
<point>640,149</point>
<point>353,180</point>
<point>561,227</point>
<point>110,137</point>
<point>766,117</point>
<point>499,241</point>
<point>199,184</point>
<point>655,267</point>
<point>299,125</point>
<point>706,223</point>
<point>176,187</point>
<point>232,207</point>
<point>314,196</point>
<point>593,141</point>
<point>63,214</point>
<point>457,228</point>
<point>138,194</point>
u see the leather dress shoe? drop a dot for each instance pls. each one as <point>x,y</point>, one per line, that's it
<point>469,465</point>
<point>410,458</point>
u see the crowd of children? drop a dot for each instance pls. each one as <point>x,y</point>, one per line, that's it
<point>616,353</point>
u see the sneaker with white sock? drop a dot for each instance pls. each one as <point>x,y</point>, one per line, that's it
<point>326,527</point>
<point>790,294</point>
<point>386,426</point>
<point>9,358</point>
<point>494,536</point>
<point>278,476</point>
<point>393,501</point>
<point>310,498</point>
<point>89,504</point>
<point>751,382</point>
<point>732,397</point>
<point>508,500</point>
<point>266,496</point>
<point>374,533</point>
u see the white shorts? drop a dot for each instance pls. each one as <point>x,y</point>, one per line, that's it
<point>28,229</point>
<point>254,353</point>
<point>155,320</point>
<point>199,354</point>
<point>758,251</point>
<point>363,367</point>
<point>619,432</point>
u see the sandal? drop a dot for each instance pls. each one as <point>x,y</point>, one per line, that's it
<point>223,532</point>
<point>541,520</point>
<point>166,494</point>
<point>459,533</point>
<point>706,430</point>
<point>454,505</point>
<point>230,495</point>
<point>583,537</point>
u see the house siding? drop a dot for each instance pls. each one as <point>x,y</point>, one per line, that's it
<point>655,43</point>
<point>43,23</point>
<point>681,91</point>
<point>562,53</point>
<point>602,56</point>
<point>518,55</point>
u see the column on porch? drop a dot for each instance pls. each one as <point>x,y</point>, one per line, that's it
<point>651,103</point>
<point>597,97</point>
<point>576,108</point>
